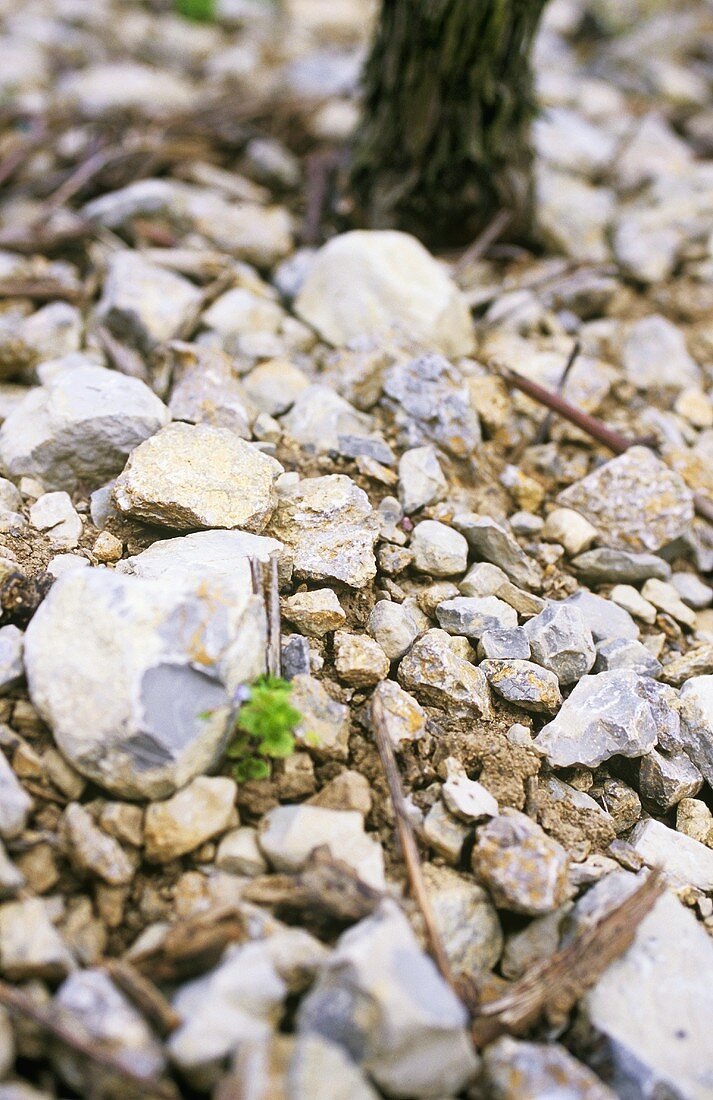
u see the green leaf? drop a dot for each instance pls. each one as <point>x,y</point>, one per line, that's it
<point>201,11</point>
<point>279,745</point>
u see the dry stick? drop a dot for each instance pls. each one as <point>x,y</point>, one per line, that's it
<point>69,1031</point>
<point>409,848</point>
<point>256,577</point>
<point>544,429</point>
<point>483,241</point>
<point>274,639</point>
<point>589,424</point>
<point>553,986</point>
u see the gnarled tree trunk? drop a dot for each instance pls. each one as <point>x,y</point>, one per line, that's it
<point>444,138</point>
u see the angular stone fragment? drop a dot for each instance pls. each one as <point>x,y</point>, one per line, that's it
<point>696,731</point>
<point>611,714</point>
<point>472,616</point>
<point>324,727</point>
<point>239,853</point>
<point>395,626</point>
<point>382,283</point>
<point>315,612</point>
<point>30,945</point>
<point>139,701</point>
<point>465,797</point>
<point>695,820</point>
<point>15,802</point>
<point>604,618</point>
<point>628,597</point>
<point>289,834</point>
<point>525,684</point>
<point>359,660</point>
<point>430,401</point>
<point>683,860</point>
<point>404,718</point>
<point>655,355</point>
<point>495,544</point>
<point>193,475</point>
<point>524,869</point>
<point>607,566</point>
<point>421,479</point>
<point>79,428</point>
<point>438,550</point>
<point>206,391</point>
<point>381,997</point>
<point>541,1071</point>
<point>202,810</point>
<point>55,515</point>
<point>650,1009</point>
<point>561,642</point>
<point>12,667</point>
<point>626,653</point>
<point>439,677</point>
<point>92,851</point>
<point>107,1017</point>
<point>665,597</point>
<point>444,833</point>
<point>144,304</point>
<point>665,779</point>
<point>570,530</point>
<point>466,919</point>
<point>507,644</point>
<point>329,526</point>
<point>635,501</point>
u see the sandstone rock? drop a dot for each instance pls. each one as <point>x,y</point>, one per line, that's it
<point>192,475</point>
<point>329,526</point>
<point>379,283</point>
<point>359,660</point>
<point>79,428</point>
<point>315,612</point>
<point>635,501</point>
<point>202,810</point>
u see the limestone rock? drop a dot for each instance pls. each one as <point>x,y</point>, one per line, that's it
<point>206,391</point>
<point>525,684</point>
<point>514,1069</point>
<point>318,1068</point>
<point>570,530</point>
<point>561,642</point>
<point>379,283</point>
<point>439,677</point>
<point>655,356</point>
<point>611,714</point>
<point>79,428</point>
<point>404,718</point>
<point>192,475</point>
<point>665,779</point>
<point>330,527</point>
<point>92,851</point>
<point>523,868</point>
<point>324,727</point>
<point>381,997</point>
<point>30,945</point>
<point>438,550</point>
<point>431,403</point>
<point>202,810</point>
<point>472,616</point>
<point>395,626</point>
<point>144,304</point>
<point>604,618</point>
<point>320,421</point>
<point>55,514</point>
<point>466,919</point>
<point>239,853</point>
<point>607,566</point>
<point>635,501</point>
<point>684,861</point>
<point>491,541</point>
<point>12,668</point>
<point>421,479</point>
<point>289,834</point>
<point>15,802</point>
<point>138,702</point>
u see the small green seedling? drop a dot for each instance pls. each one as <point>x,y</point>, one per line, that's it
<point>264,729</point>
<point>200,11</point>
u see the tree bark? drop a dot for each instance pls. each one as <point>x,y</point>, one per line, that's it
<point>444,138</point>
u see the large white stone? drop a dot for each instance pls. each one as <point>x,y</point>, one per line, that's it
<point>79,428</point>
<point>134,677</point>
<point>380,283</point>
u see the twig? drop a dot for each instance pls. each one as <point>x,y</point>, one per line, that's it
<point>483,241</point>
<point>544,429</point>
<point>147,997</point>
<point>553,986</point>
<point>591,426</point>
<point>409,848</point>
<point>69,1030</point>
<point>125,360</point>
<point>41,290</point>
<point>256,577</point>
<point>274,639</point>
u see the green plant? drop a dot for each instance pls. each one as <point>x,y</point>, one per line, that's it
<point>264,728</point>
<point>201,11</point>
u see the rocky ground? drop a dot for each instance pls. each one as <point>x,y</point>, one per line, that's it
<point>185,387</point>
